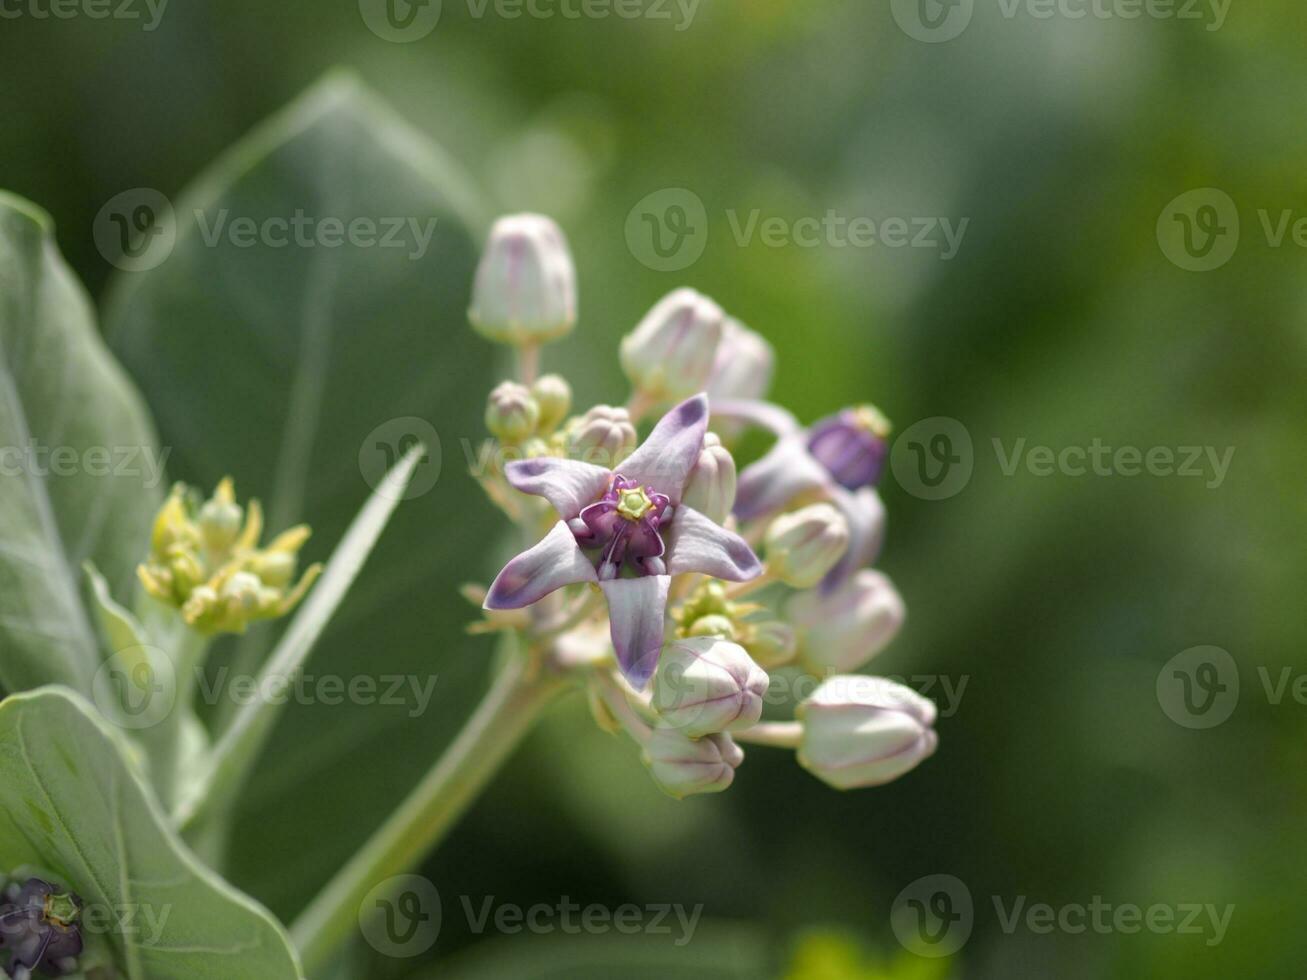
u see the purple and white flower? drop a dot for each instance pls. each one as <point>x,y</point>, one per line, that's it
<point>627,530</point>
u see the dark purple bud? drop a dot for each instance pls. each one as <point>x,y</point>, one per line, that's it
<point>38,930</point>
<point>852,445</point>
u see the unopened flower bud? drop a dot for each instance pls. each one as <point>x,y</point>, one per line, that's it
<point>710,488</point>
<point>525,288</point>
<point>683,766</point>
<point>852,445</point>
<point>713,625</point>
<point>670,353</point>
<point>220,517</point>
<point>743,366</point>
<point>511,413</point>
<point>554,397</point>
<point>603,436</point>
<point>844,629</point>
<point>864,731</point>
<point>706,684</point>
<point>772,644</point>
<point>804,545</point>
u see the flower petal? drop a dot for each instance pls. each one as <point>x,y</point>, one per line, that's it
<point>636,615</point>
<point>568,484</point>
<point>763,414</point>
<point>865,513</point>
<point>696,544</point>
<point>667,456</point>
<point>553,563</point>
<point>787,471</point>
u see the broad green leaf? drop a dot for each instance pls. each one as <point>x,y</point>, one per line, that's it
<point>79,467</point>
<point>70,804</point>
<point>299,370</point>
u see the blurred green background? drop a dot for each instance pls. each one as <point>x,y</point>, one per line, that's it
<point>1060,320</point>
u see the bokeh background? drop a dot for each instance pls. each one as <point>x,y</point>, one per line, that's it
<point>1062,319</point>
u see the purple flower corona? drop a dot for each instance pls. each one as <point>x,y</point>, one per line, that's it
<point>626,530</point>
<point>38,930</point>
<point>852,446</point>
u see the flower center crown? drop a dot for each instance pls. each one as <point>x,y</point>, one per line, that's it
<point>633,504</point>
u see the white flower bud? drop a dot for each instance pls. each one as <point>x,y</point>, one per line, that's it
<point>670,354</point>
<point>710,488</point>
<point>864,731</point>
<point>706,684</point>
<point>743,366</point>
<point>683,766</point>
<point>554,396</point>
<point>525,288</point>
<point>843,630</point>
<point>603,436</point>
<point>511,413</point>
<point>804,545</point>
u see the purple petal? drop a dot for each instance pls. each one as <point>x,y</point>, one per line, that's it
<point>865,514</point>
<point>763,414</point>
<point>787,471</point>
<point>636,616</point>
<point>667,456</point>
<point>568,484</point>
<point>556,561</point>
<point>696,544</point>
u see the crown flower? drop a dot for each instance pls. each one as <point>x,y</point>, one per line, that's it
<point>643,586</point>
<point>39,930</point>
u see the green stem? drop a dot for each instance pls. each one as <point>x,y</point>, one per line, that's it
<point>510,708</point>
<point>775,734</point>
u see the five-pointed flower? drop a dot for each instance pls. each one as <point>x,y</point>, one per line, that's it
<point>627,530</point>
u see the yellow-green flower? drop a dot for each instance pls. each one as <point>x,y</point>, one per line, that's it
<point>206,561</point>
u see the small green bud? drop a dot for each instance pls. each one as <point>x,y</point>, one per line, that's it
<point>511,413</point>
<point>603,436</point>
<point>554,396</point>
<point>772,644</point>
<point>220,518</point>
<point>714,625</point>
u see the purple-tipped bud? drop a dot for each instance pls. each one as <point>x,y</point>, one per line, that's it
<point>511,413</point>
<point>525,287</point>
<point>683,766</point>
<point>852,445</point>
<point>711,487</point>
<point>554,396</point>
<point>38,929</point>
<point>706,684</point>
<point>844,629</point>
<point>742,369</point>
<point>864,731</point>
<point>670,354</point>
<point>603,436</point>
<point>804,545</point>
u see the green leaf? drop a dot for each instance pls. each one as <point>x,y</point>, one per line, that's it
<point>298,371</point>
<point>70,805</point>
<point>80,471</point>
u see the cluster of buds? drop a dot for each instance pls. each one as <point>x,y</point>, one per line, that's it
<point>205,560</point>
<point>645,582</point>
<point>39,930</point>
